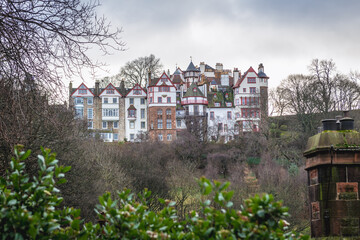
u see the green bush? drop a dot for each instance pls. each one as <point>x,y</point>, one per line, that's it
<point>253,161</point>
<point>29,209</point>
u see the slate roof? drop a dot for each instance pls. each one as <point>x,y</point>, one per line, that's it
<point>262,75</point>
<point>192,68</point>
<point>153,82</point>
<point>177,79</point>
<point>217,80</point>
<point>131,107</point>
<point>191,93</point>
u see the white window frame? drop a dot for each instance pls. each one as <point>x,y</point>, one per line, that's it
<point>141,125</point>
<point>116,136</point>
<point>131,101</point>
<point>117,124</point>
<point>142,113</point>
<point>142,101</point>
<point>90,102</point>
<point>110,112</point>
<point>90,125</point>
<point>90,113</point>
<point>106,125</point>
<point>160,137</point>
<point>169,137</point>
<point>132,124</point>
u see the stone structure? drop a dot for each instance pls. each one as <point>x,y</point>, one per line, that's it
<point>333,166</point>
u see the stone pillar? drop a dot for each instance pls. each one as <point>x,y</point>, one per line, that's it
<point>333,166</point>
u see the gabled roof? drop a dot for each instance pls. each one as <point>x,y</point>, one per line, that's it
<point>193,91</point>
<point>238,83</point>
<point>155,82</point>
<point>82,86</point>
<point>209,67</point>
<point>177,79</point>
<point>177,71</point>
<point>136,87</point>
<point>110,87</point>
<point>131,107</point>
<point>192,68</point>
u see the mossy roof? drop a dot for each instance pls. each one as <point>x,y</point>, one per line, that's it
<point>347,139</point>
<point>193,91</point>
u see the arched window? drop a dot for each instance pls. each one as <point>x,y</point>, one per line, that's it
<point>168,111</point>
<point>159,112</point>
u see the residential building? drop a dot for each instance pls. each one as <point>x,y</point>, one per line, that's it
<point>136,123</point>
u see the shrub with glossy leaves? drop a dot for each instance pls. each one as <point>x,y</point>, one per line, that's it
<point>29,209</point>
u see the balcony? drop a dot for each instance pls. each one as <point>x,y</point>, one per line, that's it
<point>201,114</point>
<point>131,116</point>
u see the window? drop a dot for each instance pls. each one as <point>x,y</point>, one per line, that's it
<point>217,104</point>
<point>160,124</point>
<point>159,113</point>
<point>114,100</point>
<point>132,124</point>
<point>168,123</point>
<point>90,113</point>
<point>164,89</point>
<point>220,127</point>
<point>104,125</point>
<point>131,100</point>
<point>82,91</point>
<point>225,127</point>
<point>253,90</point>
<point>142,125</point>
<point>151,100</point>
<point>110,112</point>
<point>116,136</point>
<point>142,113</point>
<point>79,112</point>
<point>159,99</point>
<point>90,101</point>
<point>251,80</point>
<point>212,116</point>
<point>244,89</point>
<point>229,115</point>
<point>132,136</point>
<point>169,100</point>
<point>228,104</point>
<point>168,112</point>
<point>137,92</point>
<point>131,113</point>
<point>109,91</point>
<point>106,100</point>
<point>160,137</point>
<point>237,115</point>
<point>196,110</point>
<point>169,136</point>
<point>90,125</point>
<point>116,124</point>
<point>142,101</point>
<point>237,90</point>
<point>178,123</point>
<point>79,100</point>
<point>237,102</point>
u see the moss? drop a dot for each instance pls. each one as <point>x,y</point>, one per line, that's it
<point>338,139</point>
<point>335,175</point>
<point>348,196</point>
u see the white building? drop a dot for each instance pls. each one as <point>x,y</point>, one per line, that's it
<point>251,99</point>
<point>136,114</point>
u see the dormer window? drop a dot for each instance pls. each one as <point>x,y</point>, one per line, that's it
<point>82,91</point>
<point>217,104</point>
<point>109,91</point>
<point>195,90</point>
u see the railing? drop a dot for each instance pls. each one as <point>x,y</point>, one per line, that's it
<point>195,113</point>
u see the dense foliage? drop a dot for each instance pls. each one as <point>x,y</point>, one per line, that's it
<point>29,208</point>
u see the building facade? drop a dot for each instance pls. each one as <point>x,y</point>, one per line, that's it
<point>215,103</point>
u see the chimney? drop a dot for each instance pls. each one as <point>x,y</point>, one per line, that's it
<point>225,80</point>
<point>261,68</point>
<point>219,67</point>
<point>122,87</point>
<point>70,87</point>
<point>236,75</point>
<point>202,67</point>
<point>97,88</point>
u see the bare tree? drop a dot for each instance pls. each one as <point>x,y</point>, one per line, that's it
<point>49,39</point>
<point>322,72</point>
<point>41,42</point>
<point>136,71</point>
<point>347,92</point>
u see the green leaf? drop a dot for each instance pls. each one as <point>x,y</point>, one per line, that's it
<point>261,213</point>
<point>25,155</point>
<point>12,202</point>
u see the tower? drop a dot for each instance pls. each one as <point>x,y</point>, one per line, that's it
<point>333,167</point>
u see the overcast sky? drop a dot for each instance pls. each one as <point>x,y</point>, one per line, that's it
<point>283,35</point>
